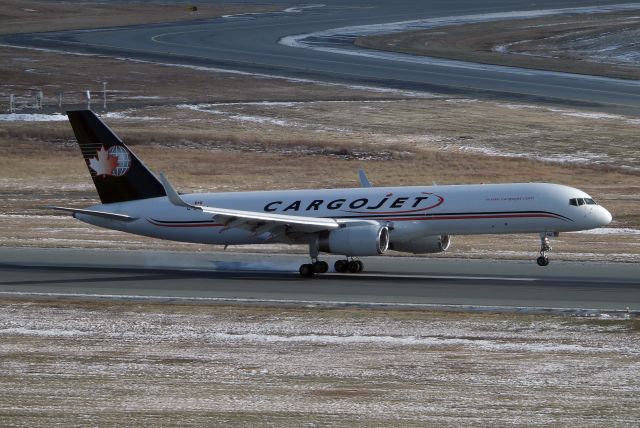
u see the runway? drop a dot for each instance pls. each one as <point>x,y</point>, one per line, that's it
<point>251,44</point>
<point>395,282</point>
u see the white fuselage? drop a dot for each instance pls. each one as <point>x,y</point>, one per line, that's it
<point>411,212</point>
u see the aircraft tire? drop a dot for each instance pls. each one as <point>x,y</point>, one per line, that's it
<point>306,270</point>
<point>353,266</point>
<point>340,266</point>
<point>321,267</point>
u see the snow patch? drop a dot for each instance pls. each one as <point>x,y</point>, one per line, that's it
<point>32,117</point>
<point>127,115</point>
<point>401,341</point>
<point>582,157</point>
<point>610,231</point>
<point>239,117</point>
<point>21,331</point>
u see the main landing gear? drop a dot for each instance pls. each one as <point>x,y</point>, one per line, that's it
<point>351,266</point>
<point>341,266</point>
<point>317,266</point>
<point>543,260</point>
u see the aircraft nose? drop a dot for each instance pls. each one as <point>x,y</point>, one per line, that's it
<point>603,217</point>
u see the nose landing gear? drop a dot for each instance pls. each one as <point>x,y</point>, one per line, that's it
<point>543,260</point>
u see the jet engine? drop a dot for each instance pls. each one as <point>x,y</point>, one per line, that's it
<point>424,245</point>
<point>356,240</point>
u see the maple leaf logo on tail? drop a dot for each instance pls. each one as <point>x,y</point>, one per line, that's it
<point>103,164</point>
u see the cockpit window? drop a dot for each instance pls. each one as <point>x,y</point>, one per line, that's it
<point>581,201</point>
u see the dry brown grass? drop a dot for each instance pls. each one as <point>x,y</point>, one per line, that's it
<point>38,173</point>
<point>318,138</point>
<point>29,16</point>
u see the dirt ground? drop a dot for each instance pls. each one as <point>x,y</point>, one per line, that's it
<point>28,16</point>
<point>547,43</point>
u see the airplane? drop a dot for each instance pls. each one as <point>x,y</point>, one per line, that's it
<point>350,222</point>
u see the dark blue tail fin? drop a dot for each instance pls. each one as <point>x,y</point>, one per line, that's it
<point>117,173</point>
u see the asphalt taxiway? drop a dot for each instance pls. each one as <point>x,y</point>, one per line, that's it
<point>259,278</point>
<point>253,43</point>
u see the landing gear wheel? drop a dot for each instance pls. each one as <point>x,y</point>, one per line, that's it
<point>545,248</point>
<point>360,266</point>
<point>320,267</point>
<point>354,267</point>
<point>340,266</point>
<point>307,270</point>
<point>542,261</point>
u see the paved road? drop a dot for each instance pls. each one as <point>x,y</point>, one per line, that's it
<point>251,44</point>
<point>272,278</point>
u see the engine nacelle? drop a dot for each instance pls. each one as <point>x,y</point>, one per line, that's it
<point>424,245</point>
<point>357,240</point>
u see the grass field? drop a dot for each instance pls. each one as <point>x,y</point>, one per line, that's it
<point>31,16</point>
<point>212,131</point>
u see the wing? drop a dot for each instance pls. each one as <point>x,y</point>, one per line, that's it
<point>257,222</point>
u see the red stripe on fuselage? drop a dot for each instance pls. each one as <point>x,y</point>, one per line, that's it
<point>431,217</point>
<point>186,224</point>
<point>470,217</point>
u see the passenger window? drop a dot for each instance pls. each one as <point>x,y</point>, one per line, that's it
<point>573,202</point>
<point>580,201</point>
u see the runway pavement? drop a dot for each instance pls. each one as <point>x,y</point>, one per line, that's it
<point>251,43</point>
<point>404,282</point>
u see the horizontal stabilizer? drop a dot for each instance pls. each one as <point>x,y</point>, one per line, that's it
<point>103,214</point>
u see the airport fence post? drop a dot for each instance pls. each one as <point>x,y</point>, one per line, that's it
<point>104,96</point>
<point>12,103</point>
<point>88,95</point>
<point>60,95</point>
<point>39,97</point>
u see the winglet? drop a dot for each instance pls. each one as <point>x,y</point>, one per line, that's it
<point>173,196</point>
<point>364,181</point>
